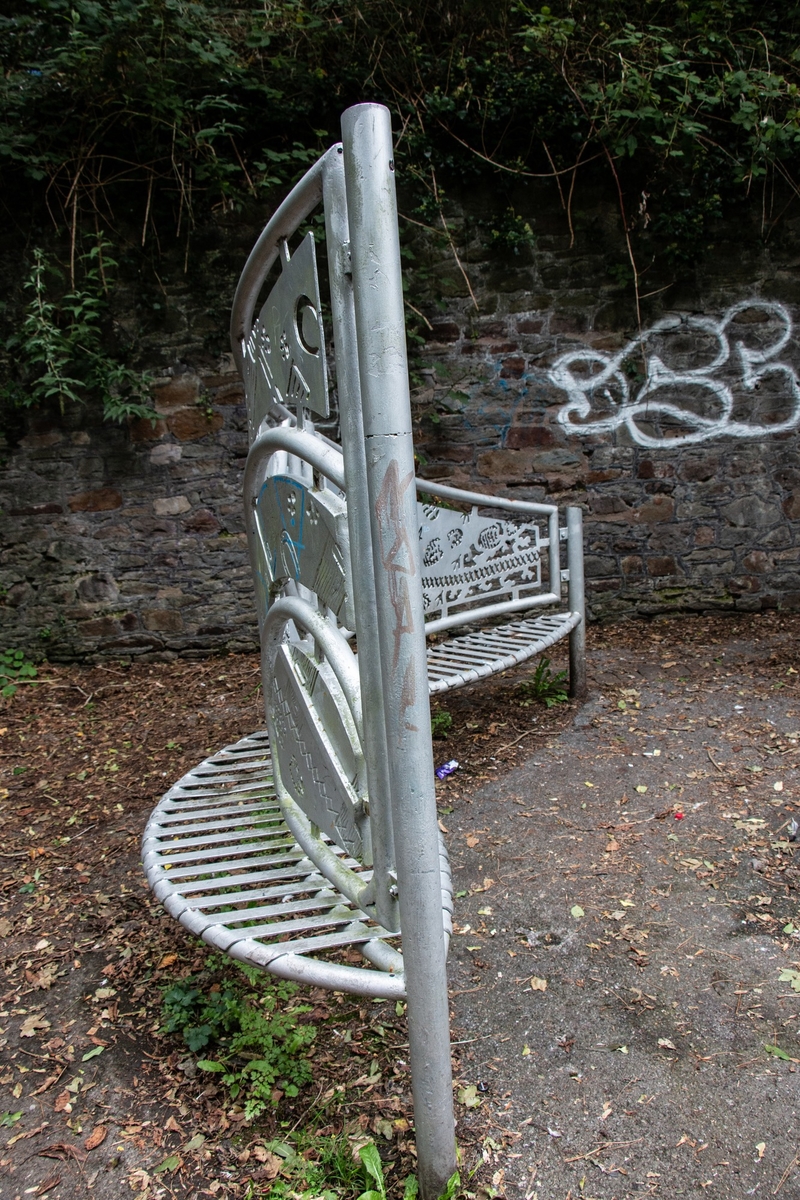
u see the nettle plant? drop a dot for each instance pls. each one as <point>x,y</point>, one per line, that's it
<point>60,354</point>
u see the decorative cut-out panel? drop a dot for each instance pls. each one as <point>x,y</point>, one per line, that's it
<point>285,353</point>
<point>469,559</point>
<point>316,746</point>
<point>304,538</point>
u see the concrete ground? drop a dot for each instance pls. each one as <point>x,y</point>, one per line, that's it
<point>625,973</point>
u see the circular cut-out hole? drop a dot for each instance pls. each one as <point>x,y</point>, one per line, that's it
<point>307,323</point>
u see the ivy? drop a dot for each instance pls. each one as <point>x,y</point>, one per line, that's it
<point>145,118</point>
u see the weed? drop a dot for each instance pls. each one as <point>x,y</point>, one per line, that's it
<point>545,686</point>
<point>373,1169</point>
<point>30,882</point>
<point>441,723</point>
<point>14,667</point>
<point>251,1026</point>
<point>316,1167</point>
<point>60,351</point>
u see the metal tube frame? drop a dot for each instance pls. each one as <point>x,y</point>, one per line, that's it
<point>386,407</point>
<point>577,603</point>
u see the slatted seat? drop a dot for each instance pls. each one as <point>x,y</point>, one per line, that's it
<point>218,855</point>
<point>475,656</point>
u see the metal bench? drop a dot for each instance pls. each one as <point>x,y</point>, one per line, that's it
<point>297,847</point>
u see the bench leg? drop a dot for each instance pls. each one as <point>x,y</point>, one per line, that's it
<point>577,603</point>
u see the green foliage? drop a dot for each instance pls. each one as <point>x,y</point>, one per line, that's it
<point>251,1026</point>
<point>545,686</point>
<point>59,353</point>
<point>441,723</point>
<point>314,1168</point>
<point>510,232</point>
<point>166,110</point>
<point>324,1168</point>
<point>14,666</point>
<point>452,1188</point>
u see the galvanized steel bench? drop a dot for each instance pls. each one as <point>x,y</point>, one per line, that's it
<point>313,844</point>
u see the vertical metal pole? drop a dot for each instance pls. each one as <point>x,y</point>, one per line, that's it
<point>577,603</point>
<point>355,469</point>
<point>383,372</point>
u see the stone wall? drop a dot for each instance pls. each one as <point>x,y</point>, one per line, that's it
<point>130,541</point>
<point>676,430</point>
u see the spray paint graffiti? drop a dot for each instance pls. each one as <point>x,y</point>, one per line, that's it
<point>663,405</point>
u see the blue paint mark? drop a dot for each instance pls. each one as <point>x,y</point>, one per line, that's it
<point>292,524</point>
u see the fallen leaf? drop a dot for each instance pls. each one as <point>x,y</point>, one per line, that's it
<point>472,841</point>
<point>577,912</point>
<point>63,1102</point>
<point>29,1133</point>
<point>32,1023</point>
<point>170,1163</point>
<point>271,1164</point>
<point>5,927</point>
<point>666,1044</point>
<point>761,1147</point>
<point>792,977</point>
<point>93,1053</point>
<point>167,961</point>
<point>468,1096</point>
<point>96,1137</point>
<point>63,1150</point>
<point>526,1050</point>
<point>48,1184</point>
<point>197,1141</point>
<point>538,984</point>
<point>612,846</point>
<point>44,978</point>
<point>641,788</point>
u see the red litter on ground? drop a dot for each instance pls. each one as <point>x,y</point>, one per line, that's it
<point>678,816</point>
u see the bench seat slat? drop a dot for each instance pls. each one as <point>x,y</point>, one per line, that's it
<point>217,843</point>
<point>463,660</point>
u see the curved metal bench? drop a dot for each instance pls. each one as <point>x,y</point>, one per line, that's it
<point>303,847</point>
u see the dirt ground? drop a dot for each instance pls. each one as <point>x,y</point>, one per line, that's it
<point>625,975</point>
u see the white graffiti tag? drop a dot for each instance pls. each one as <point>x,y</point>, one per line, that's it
<point>663,405</point>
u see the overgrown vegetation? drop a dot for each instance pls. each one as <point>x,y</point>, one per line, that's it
<point>140,119</point>
<point>441,723</point>
<point>14,667</point>
<point>546,686</point>
<point>249,1031</point>
<point>60,352</point>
